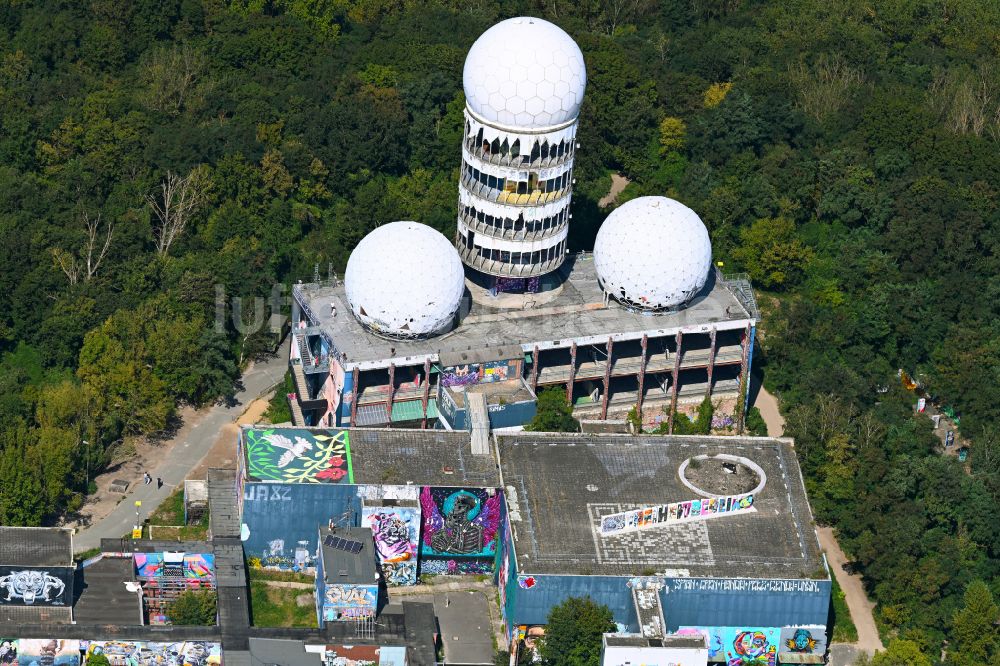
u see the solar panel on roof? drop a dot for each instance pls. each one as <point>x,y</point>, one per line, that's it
<point>328,541</point>
<point>338,543</point>
<point>356,547</point>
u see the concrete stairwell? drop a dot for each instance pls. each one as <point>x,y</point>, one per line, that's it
<point>297,418</point>
<point>303,346</point>
<point>299,377</point>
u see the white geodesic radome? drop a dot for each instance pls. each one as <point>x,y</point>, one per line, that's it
<point>653,253</point>
<point>405,280</point>
<point>525,72</point>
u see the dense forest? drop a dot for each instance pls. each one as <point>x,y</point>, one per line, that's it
<point>845,154</point>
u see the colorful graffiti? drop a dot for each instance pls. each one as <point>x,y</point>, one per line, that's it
<point>298,455</point>
<point>751,646</point>
<point>396,533</point>
<point>698,509</point>
<point>810,639</point>
<point>478,373</point>
<point>349,602</point>
<point>48,652</point>
<point>195,567</point>
<point>8,651</point>
<point>459,525</point>
<point>455,567</point>
<point>713,640</point>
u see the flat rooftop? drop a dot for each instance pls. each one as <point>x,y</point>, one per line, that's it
<point>577,313</point>
<point>36,547</point>
<point>373,456</point>
<point>563,484</point>
<point>508,391</point>
<point>343,566</point>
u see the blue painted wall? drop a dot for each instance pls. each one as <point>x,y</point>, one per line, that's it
<point>753,338</point>
<point>806,602</point>
<point>294,512</point>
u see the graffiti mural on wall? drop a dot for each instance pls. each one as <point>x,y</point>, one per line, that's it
<point>298,455</point>
<point>698,509</point>
<point>809,639</point>
<point>48,652</point>
<point>751,646</point>
<point>195,567</point>
<point>29,587</point>
<point>460,530</point>
<point>8,651</point>
<point>132,653</point>
<point>349,602</point>
<point>713,639</point>
<point>478,373</point>
<point>396,531</point>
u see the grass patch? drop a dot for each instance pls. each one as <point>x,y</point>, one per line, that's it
<point>844,630</point>
<point>284,576</point>
<point>178,532</point>
<point>276,607</point>
<point>87,554</point>
<point>278,410</point>
<point>168,521</point>
<point>171,511</point>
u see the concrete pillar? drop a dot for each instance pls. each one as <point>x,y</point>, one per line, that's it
<point>711,361</point>
<point>674,384</point>
<point>572,374</point>
<point>357,397</point>
<point>642,376</point>
<point>392,391</point>
<point>607,380</point>
<point>744,378</point>
<point>534,370</point>
<point>427,391</point>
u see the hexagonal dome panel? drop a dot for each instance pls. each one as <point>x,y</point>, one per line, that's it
<point>525,50</point>
<point>653,253</point>
<point>405,280</point>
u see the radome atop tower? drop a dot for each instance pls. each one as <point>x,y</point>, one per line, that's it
<point>525,72</point>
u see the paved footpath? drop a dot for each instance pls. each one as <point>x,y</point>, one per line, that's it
<point>185,456</point>
<point>854,592</point>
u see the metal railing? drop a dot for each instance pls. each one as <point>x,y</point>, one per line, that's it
<point>535,198</point>
<point>519,160</point>
<point>739,285</point>
<point>494,231</point>
<point>472,258</point>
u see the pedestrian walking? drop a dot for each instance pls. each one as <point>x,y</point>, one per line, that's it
<point>146,478</point>
<point>159,483</point>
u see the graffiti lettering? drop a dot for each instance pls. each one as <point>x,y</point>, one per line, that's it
<point>742,585</point>
<point>698,509</point>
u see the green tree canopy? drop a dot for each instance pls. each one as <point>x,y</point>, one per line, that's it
<point>573,633</point>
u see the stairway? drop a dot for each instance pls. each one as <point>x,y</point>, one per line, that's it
<point>299,378</point>
<point>303,345</point>
<point>297,418</point>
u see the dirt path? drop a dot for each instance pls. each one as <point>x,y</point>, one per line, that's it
<point>768,406</point>
<point>223,451</point>
<point>618,183</point>
<point>854,593</point>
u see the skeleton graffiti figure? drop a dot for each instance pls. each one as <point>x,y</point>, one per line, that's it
<point>460,535</point>
<point>30,586</point>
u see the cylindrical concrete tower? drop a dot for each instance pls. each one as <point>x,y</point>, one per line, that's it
<point>524,80</point>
